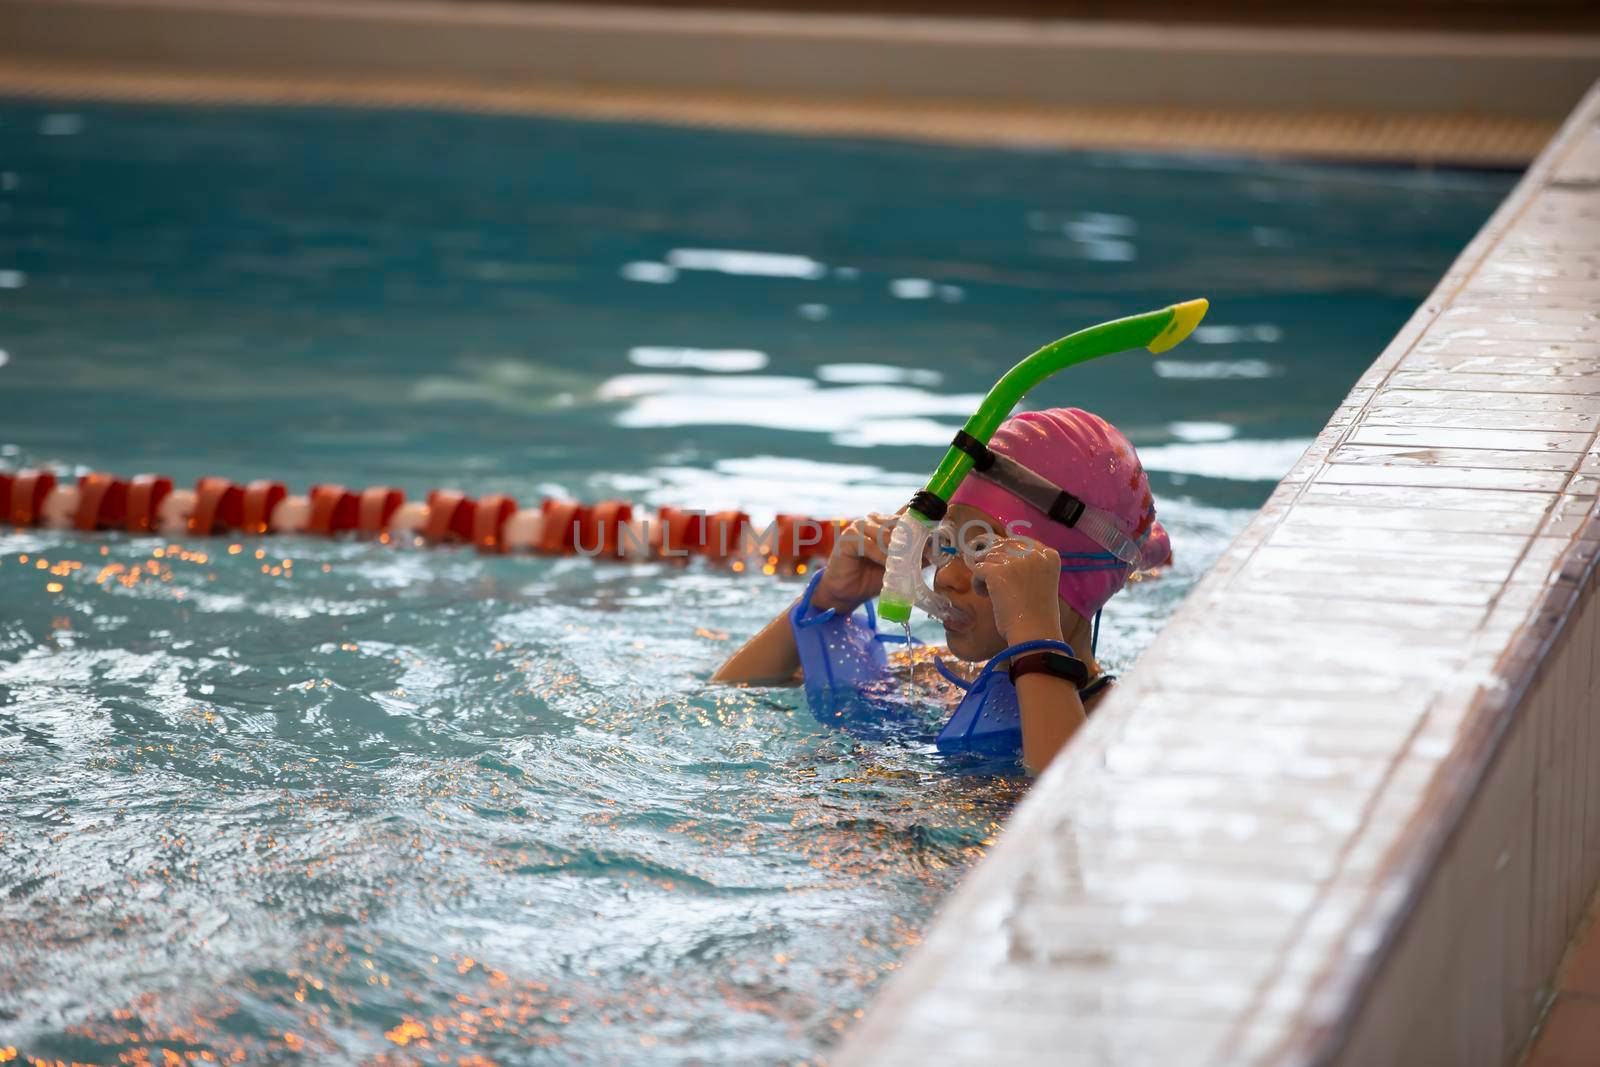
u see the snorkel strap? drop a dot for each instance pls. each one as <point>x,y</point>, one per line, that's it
<point>982,456</point>
<point>929,505</point>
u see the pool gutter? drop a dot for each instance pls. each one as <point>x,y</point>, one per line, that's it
<point>1346,809</point>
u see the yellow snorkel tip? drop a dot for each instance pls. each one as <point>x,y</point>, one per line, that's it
<point>1185,317</point>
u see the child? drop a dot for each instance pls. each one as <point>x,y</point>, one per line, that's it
<point>1013,576</point>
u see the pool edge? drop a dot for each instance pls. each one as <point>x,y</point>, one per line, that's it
<point>1436,882</point>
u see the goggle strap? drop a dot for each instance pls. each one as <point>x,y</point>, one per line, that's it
<point>1103,530</point>
<point>1018,480</point>
<point>1061,506</point>
<point>1066,509</point>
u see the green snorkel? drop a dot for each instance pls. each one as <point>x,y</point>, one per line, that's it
<point>1155,330</point>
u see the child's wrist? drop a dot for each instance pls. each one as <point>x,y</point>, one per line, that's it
<point>1033,630</point>
<point>822,600</point>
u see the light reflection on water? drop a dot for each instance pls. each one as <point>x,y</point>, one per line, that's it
<point>343,801</point>
<point>845,412</point>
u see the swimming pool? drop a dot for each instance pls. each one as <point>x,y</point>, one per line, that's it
<point>403,803</point>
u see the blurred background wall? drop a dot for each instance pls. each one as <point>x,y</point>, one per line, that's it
<point>1464,81</point>
<point>1508,15</point>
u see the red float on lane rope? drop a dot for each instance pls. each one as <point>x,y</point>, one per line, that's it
<point>260,497</point>
<point>145,494</point>
<point>830,537</point>
<point>28,490</point>
<point>599,531</point>
<point>450,516</point>
<point>678,533</point>
<point>725,535</point>
<point>334,509</point>
<point>102,502</point>
<point>787,533</point>
<point>377,506</point>
<point>561,521</point>
<point>489,517</point>
<point>218,506</point>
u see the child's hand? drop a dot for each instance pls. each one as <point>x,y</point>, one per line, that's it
<point>1020,579</point>
<point>855,568</point>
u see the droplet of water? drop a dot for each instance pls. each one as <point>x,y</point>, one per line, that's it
<point>911,664</point>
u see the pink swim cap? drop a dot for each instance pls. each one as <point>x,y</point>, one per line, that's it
<point>1087,456</point>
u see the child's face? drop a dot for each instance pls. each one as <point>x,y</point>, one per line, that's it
<point>971,632</point>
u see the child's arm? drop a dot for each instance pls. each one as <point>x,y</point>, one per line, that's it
<point>1051,713</point>
<point>854,575</point>
<point>1021,580</point>
<point>768,658</point>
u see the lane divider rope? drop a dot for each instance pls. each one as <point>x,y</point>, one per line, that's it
<point>493,524</point>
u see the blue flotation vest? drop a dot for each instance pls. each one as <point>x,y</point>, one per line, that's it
<point>848,684</point>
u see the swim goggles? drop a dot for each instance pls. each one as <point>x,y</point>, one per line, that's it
<point>970,541</point>
<point>974,538</point>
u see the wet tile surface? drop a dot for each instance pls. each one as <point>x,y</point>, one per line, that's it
<point>1571,1034</point>
<point>1225,853</point>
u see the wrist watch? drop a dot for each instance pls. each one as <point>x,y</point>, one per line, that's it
<point>1057,663</point>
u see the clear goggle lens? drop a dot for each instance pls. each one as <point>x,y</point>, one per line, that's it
<point>949,541</point>
<point>973,540</point>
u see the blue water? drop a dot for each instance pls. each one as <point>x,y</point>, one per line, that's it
<point>329,801</point>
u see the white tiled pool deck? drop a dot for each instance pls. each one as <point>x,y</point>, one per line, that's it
<point>1346,809</point>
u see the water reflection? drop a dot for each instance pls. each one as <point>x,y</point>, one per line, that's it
<point>845,413</point>
<point>1217,334</point>
<point>645,271</point>
<point>721,360</point>
<point>1245,461</point>
<point>876,374</point>
<point>1213,369</point>
<point>757,264</point>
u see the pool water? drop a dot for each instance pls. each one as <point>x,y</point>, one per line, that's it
<point>298,799</point>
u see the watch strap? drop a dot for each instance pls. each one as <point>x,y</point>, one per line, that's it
<point>1049,662</point>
